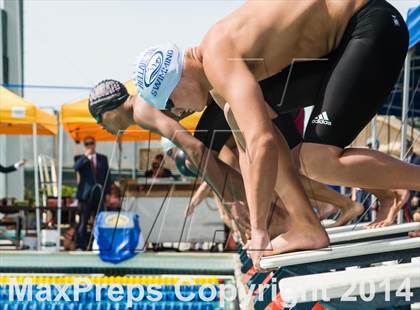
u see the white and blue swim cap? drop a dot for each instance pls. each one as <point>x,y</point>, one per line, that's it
<point>157,72</point>
<point>166,144</point>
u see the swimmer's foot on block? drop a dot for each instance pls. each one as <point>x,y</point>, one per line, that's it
<point>258,244</point>
<point>389,207</point>
<point>298,239</point>
<point>354,210</point>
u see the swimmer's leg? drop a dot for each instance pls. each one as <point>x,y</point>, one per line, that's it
<point>355,167</point>
<point>278,219</point>
<point>305,231</point>
<point>239,209</point>
<point>234,225</point>
<point>390,203</point>
<point>353,92</point>
<point>318,191</point>
<point>324,209</point>
<point>228,185</point>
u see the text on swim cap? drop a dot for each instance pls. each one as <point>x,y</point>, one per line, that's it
<point>152,68</point>
<point>142,66</point>
<point>162,73</point>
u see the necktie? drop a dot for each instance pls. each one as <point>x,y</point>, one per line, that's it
<point>93,164</point>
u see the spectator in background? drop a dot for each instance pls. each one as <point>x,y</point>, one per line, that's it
<point>158,169</point>
<point>69,239</point>
<point>9,169</point>
<point>114,201</point>
<point>12,168</point>
<point>93,182</point>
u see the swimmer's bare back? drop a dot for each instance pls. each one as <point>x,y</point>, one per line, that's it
<point>268,35</point>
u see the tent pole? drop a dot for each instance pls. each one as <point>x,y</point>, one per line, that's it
<point>374,133</point>
<point>133,172</point>
<point>405,100</point>
<point>37,211</point>
<point>60,183</point>
<point>373,138</point>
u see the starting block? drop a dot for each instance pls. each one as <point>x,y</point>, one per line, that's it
<point>364,289</point>
<point>336,257</point>
<point>343,235</point>
<point>393,231</point>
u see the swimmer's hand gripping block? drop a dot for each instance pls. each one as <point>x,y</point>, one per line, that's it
<point>117,235</point>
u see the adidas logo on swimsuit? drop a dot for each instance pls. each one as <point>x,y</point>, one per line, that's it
<point>322,119</point>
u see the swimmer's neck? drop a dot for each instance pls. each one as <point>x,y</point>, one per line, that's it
<point>128,107</point>
<point>193,67</point>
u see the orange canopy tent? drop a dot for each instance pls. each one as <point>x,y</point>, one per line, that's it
<point>78,123</point>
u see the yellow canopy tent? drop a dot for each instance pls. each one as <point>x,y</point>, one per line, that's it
<point>78,123</point>
<point>17,116</point>
<point>20,117</point>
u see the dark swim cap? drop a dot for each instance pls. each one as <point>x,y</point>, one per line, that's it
<point>180,159</point>
<point>107,95</point>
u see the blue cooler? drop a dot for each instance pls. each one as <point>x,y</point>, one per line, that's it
<point>117,235</point>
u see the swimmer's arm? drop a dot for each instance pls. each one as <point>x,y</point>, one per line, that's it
<point>233,80</point>
<point>155,121</point>
<point>202,192</point>
<point>225,181</point>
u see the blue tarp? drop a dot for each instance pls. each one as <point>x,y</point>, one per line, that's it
<point>393,106</point>
<point>413,23</point>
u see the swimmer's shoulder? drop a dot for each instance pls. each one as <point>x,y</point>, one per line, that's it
<point>216,49</point>
<point>224,33</point>
<point>219,35</point>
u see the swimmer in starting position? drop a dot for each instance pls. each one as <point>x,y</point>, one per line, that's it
<point>357,47</point>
